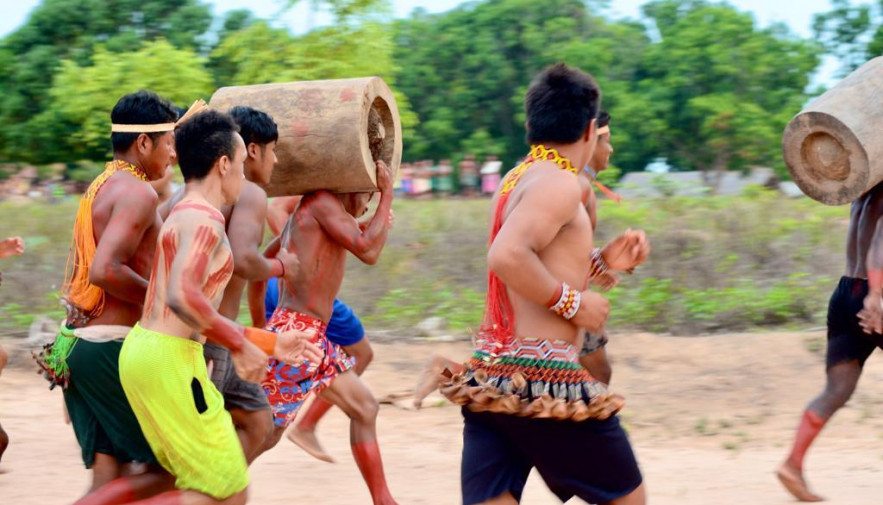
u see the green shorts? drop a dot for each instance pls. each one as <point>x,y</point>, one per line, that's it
<point>182,413</point>
<point>100,413</point>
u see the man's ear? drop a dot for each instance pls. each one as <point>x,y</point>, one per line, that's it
<point>144,143</point>
<point>223,166</point>
<point>591,130</point>
<point>253,150</point>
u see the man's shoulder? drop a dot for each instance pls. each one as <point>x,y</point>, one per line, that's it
<point>129,189</point>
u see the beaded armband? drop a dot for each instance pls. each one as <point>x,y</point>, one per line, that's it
<point>568,303</point>
<point>599,266</point>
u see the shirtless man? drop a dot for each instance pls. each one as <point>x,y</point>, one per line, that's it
<point>110,258</point>
<point>321,231</point>
<point>245,400</point>
<point>854,328</point>
<point>344,329</point>
<point>162,367</point>
<point>527,401</point>
<point>593,354</point>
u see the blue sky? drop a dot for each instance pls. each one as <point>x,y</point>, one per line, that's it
<point>797,14</point>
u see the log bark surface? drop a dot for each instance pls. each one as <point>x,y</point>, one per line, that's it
<point>330,132</point>
<point>833,147</point>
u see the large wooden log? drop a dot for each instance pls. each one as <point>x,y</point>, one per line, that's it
<point>833,147</point>
<point>330,132</point>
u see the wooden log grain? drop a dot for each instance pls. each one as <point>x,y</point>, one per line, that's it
<point>833,148</point>
<point>330,132</point>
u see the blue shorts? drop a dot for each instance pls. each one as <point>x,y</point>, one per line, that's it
<point>344,328</point>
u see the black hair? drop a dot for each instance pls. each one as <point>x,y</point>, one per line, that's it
<point>560,104</point>
<point>142,107</point>
<point>255,126</point>
<point>603,119</point>
<point>201,140</point>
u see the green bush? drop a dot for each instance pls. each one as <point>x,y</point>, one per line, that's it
<point>718,264</point>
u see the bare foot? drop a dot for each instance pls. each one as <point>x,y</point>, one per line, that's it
<point>793,481</point>
<point>307,441</point>
<point>428,381</point>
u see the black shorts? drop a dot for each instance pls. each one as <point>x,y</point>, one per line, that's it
<point>100,413</point>
<point>238,393</point>
<point>846,339</point>
<point>592,459</point>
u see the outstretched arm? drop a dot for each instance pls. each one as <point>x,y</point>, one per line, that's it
<point>130,218</point>
<point>366,244</point>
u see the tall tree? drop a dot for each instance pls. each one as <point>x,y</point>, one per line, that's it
<point>84,95</point>
<point>70,29</point>
<point>724,88</point>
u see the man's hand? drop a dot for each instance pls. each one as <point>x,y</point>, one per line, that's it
<point>626,251</point>
<point>871,316</point>
<point>250,362</point>
<point>295,346</point>
<point>12,246</point>
<point>291,263</point>
<point>606,281</point>
<point>592,313</point>
<point>384,177</point>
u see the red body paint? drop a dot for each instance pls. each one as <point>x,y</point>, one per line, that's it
<point>810,426</point>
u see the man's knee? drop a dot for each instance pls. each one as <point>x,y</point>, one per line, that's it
<point>841,383</point>
<point>365,408</point>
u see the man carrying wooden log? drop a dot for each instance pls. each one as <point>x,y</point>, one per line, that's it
<point>321,231</point>
<point>344,329</point>
<point>527,400</point>
<point>855,324</point>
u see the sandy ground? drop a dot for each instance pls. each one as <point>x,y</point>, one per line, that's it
<point>710,419</point>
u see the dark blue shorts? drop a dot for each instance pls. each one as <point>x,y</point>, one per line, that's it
<point>846,339</point>
<point>344,328</point>
<point>592,460</point>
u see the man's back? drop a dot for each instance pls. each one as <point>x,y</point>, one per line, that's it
<point>322,259</point>
<point>567,252</point>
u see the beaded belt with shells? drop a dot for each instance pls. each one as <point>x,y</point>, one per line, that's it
<point>532,378</point>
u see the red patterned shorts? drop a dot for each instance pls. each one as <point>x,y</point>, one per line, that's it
<point>287,386</point>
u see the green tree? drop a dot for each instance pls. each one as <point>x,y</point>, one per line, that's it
<point>84,95</point>
<point>336,52</point>
<point>725,89</point>
<point>71,29</point>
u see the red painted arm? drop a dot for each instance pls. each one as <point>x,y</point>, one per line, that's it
<point>189,274</point>
<point>278,212</point>
<point>365,244</point>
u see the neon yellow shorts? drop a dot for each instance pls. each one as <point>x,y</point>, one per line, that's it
<point>181,413</point>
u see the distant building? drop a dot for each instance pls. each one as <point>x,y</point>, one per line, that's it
<point>657,184</point>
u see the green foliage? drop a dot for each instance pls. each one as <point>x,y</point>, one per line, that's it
<point>86,94</point>
<point>718,264</point>
<point>336,52</point>
<point>725,88</point>
<point>32,129</point>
